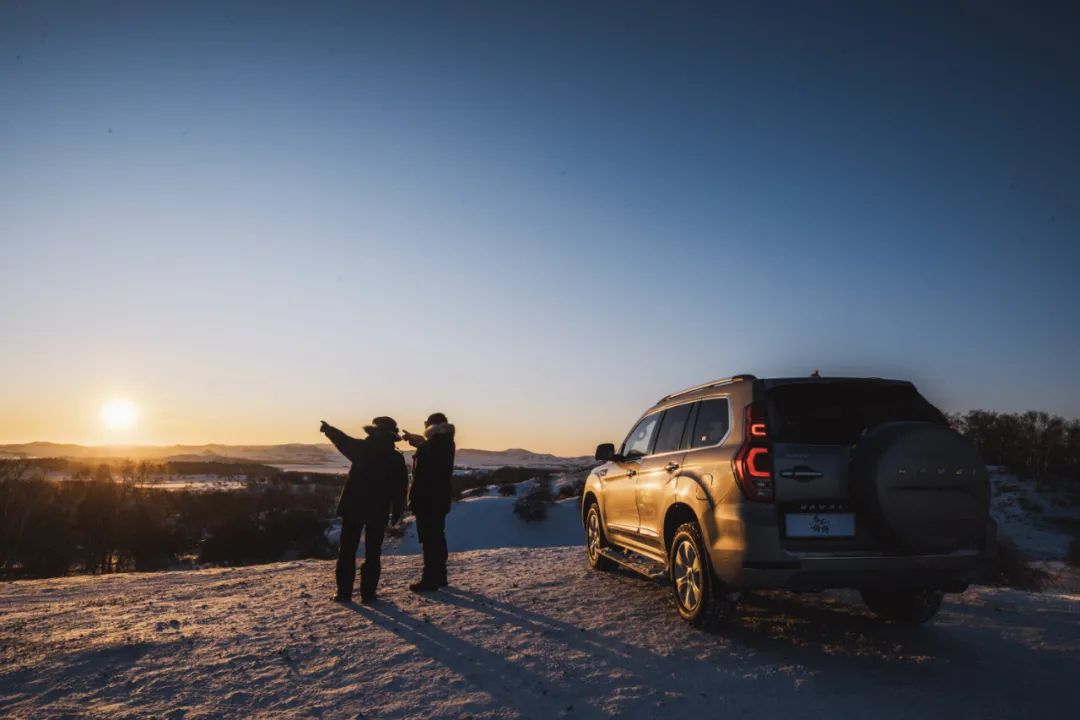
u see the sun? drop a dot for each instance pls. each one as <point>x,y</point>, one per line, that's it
<point>119,414</point>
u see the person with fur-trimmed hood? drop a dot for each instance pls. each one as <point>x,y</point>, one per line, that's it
<point>429,497</point>
<point>374,493</point>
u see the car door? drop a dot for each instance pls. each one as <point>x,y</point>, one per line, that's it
<point>707,462</point>
<point>620,495</point>
<point>659,469</point>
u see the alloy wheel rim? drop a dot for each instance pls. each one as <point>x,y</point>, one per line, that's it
<point>687,574</point>
<point>593,535</point>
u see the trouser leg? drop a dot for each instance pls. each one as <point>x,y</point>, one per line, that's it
<point>346,562</point>
<point>431,530</point>
<point>442,552</point>
<point>372,565</point>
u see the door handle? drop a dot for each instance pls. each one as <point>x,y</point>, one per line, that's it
<point>631,473</point>
<point>671,466</point>
<point>801,472</point>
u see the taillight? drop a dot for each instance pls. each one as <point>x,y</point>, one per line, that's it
<point>753,461</point>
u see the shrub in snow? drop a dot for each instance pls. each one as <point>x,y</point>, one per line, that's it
<point>507,490</point>
<point>571,489</point>
<point>533,505</point>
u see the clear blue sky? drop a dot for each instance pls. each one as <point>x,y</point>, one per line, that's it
<point>536,217</point>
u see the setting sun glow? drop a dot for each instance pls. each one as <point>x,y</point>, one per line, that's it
<point>119,414</point>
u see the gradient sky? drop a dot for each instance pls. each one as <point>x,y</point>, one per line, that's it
<point>537,218</point>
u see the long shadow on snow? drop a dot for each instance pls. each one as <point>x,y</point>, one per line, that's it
<point>663,674</point>
<point>615,651</point>
<point>84,668</point>
<point>972,651</point>
<point>969,652</point>
<point>818,623</point>
<point>489,671</point>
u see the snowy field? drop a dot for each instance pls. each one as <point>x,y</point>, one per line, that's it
<point>489,522</point>
<point>522,634</point>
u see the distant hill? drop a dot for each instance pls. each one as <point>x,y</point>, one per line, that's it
<point>290,456</point>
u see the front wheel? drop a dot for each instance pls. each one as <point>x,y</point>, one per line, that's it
<point>595,541</point>
<point>906,607</point>
<point>699,596</point>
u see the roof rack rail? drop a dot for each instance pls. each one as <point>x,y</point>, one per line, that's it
<point>745,377</point>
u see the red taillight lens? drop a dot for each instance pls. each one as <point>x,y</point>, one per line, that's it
<point>753,461</point>
<point>758,462</point>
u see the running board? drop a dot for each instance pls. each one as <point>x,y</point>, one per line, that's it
<point>635,563</point>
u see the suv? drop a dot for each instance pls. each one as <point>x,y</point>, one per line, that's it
<point>798,483</point>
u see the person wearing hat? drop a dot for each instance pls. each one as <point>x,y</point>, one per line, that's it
<point>374,493</point>
<point>429,496</point>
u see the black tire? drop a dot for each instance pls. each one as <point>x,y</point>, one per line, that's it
<point>905,607</point>
<point>700,597</point>
<point>594,544</point>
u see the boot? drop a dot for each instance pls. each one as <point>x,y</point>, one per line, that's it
<point>369,580</point>
<point>425,585</point>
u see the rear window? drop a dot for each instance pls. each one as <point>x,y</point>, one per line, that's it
<point>837,413</point>
<point>672,426</point>
<point>712,423</point>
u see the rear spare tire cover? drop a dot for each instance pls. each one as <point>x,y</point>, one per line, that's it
<point>923,483</point>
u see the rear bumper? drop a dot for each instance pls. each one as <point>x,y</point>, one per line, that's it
<point>764,563</point>
<point>953,572</point>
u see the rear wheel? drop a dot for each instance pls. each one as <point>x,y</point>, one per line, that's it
<point>906,607</point>
<point>700,598</point>
<point>595,541</point>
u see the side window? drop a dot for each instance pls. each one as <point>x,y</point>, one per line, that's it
<point>640,438</point>
<point>712,423</point>
<point>670,435</point>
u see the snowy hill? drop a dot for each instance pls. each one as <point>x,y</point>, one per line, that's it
<point>519,635</point>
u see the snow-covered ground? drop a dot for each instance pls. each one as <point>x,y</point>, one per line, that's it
<point>522,634</point>
<point>527,630</point>
<point>1041,523</point>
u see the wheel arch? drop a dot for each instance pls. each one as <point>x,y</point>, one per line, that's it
<point>588,499</point>
<point>677,514</point>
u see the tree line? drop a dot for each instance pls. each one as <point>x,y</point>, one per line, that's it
<point>1032,444</point>
<point>113,520</point>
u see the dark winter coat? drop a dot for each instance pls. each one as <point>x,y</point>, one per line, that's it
<point>433,467</point>
<point>378,480</point>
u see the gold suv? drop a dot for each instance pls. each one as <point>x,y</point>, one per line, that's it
<point>798,483</point>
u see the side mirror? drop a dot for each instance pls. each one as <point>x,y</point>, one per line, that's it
<point>605,452</point>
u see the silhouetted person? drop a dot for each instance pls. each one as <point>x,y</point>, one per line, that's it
<point>429,497</point>
<point>374,493</point>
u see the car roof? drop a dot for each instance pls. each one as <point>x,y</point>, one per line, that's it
<point>774,382</point>
<point>721,385</point>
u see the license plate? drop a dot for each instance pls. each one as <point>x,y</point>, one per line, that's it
<point>804,525</point>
